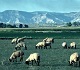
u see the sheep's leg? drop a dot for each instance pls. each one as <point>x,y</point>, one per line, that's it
<point>41,47</point>
<point>73,63</point>
<point>79,62</point>
<point>38,61</point>
<point>21,58</point>
<point>50,46</point>
<point>66,46</point>
<point>25,48</point>
<point>35,62</point>
<point>13,60</point>
<point>36,47</point>
<point>32,62</point>
<point>45,47</point>
<point>75,46</point>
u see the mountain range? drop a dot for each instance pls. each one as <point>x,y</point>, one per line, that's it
<point>42,18</point>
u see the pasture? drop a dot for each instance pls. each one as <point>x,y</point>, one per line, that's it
<point>51,59</point>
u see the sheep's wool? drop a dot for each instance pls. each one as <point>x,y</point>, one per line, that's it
<point>73,57</point>
<point>33,56</point>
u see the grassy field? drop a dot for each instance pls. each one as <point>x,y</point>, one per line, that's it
<point>55,32</point>
<point>51,59</point>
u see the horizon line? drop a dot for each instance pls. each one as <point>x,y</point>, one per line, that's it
<point>41,11</point>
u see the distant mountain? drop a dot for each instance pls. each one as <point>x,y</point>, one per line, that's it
<point>38,17</point>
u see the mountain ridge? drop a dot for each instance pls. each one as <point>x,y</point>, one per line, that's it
<point>38,17</point>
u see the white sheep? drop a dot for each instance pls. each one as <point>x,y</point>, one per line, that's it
<point>33,57</point>
<point>14,41</point>
<point>15,55</point>
<point>73,45</point>
<point>64,45</point>
<point>49,40</point>
<point>45,39</point>
<point>21,39</point>
<point>74,58</point>
<point>40,45</point>
<point>43,44</point>
<point>19,45</point>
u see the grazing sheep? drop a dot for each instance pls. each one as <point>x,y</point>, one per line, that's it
<point>33,57</point>
<point>47,44</point>
<point>73,45</point>
<point>14,41</point>
<point>19,45</point>
<point>15,55</point>
<point>40,45</point>
<point>49,40</point>
<point>64,45</point>
<point>74,58</point>
<point>45,39</point>
<point>43,44</point>
<point>21,39</point>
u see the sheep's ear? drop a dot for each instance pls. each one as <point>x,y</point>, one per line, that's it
<point>77,58</point>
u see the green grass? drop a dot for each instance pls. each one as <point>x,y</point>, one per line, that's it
<point>40,33</point>
<point>51,59</point>
<point>42,29</point>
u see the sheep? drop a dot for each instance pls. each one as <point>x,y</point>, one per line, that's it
<point>19,45</point>
<point>49,40</point>
<point>45,39</point>
<point>74,58</point>
<point>47,44</point>
<point>43,44</point>
<point>21,39</point>
<point>64,45</point>
<point>33,57</point>
<point>40,45</point>
<point>14,40</point>
<point>73,45</point>
<point>15,55</point>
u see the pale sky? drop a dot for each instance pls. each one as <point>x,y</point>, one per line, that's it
<point>41,5</point>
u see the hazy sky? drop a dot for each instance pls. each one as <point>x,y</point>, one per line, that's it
<point>40,5</point>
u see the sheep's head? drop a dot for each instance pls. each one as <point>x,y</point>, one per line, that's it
<point>12,42</point>
<point>52,40</point>
<point>10,60</point>
<point>25,48</point>
<point>27,62</point>
<point>77,59</point>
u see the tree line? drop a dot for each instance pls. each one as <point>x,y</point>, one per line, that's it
<point>3,25</point>
<point>73,24</point>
